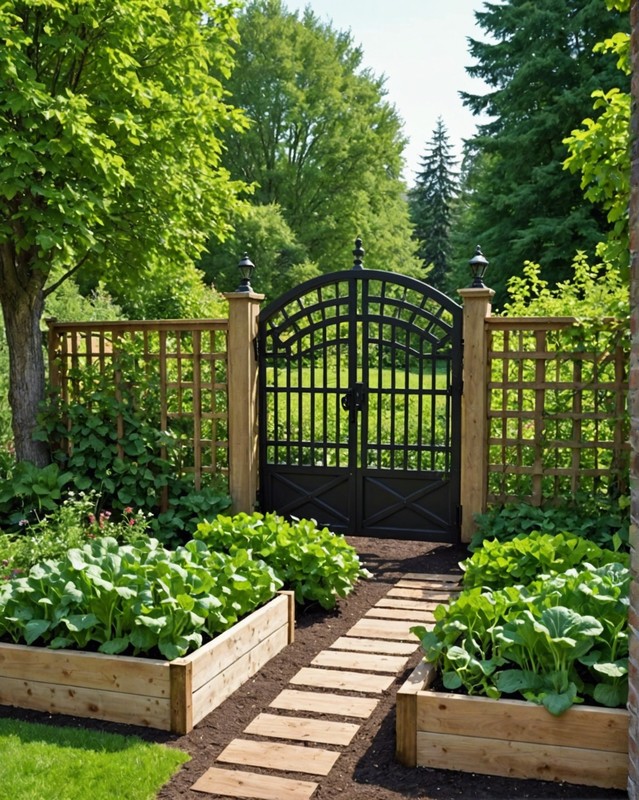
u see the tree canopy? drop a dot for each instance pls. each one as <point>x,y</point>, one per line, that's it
<point>539,64</point>
<point>111,113</point>
<point>323,150</point>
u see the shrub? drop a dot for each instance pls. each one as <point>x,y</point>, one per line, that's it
<point>318,565</point>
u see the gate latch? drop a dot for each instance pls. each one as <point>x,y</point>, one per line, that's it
<point>353,401</point>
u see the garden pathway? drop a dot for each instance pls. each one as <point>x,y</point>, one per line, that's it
<point>362,664</point>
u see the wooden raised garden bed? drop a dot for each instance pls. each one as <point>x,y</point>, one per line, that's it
<point>510,738</point>
<point>169,695</point>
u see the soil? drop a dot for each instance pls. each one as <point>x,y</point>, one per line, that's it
<point>366,770</point>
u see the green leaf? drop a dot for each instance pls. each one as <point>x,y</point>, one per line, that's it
<point>114,646</point>
<point>34,629</point>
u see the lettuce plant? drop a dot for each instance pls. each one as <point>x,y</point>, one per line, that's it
<point>319,566</point>
<point>557,641</point>
<point>137,598</point>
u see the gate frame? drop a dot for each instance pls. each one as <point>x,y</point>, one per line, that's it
<point>434,294</point>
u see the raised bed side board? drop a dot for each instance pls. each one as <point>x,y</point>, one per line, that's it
<point>586,745</point>
<point>168,695</point>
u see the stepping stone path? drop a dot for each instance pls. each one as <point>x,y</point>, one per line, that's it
<point>365,661</point>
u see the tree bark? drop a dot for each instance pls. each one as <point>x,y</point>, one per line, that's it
<point>22,306</point>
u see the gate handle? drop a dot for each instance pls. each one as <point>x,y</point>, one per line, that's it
<point>353,401</point>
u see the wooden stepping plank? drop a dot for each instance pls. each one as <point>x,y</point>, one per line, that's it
<point>340,679</point>
<point>318,731</point>
<point>401,613</point>
<point>421,594</point>
<point>432,576</point>
<point>369,662</point>
<point>325,703</point>
<point>416,605</point>
<point>253,785</point>
<point>385,629</point>
<point>436,586</point>
<point>273,755</point>
<point>353,644</point>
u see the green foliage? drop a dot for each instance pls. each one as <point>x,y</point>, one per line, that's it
<point>430,203</point>
<point>96,97</point>
<point>600,151</point>
<point>75,521</point>
<point>599,519</point>
<point>555,641</point>
<point>520,560</point>
<point>137,598</point>
<point>31,490</point>
<point>591,293</point>
<point>317,564</point>
<point>165,295</point>
<point>263,233</point>
<point>44,760</point>
<point>109,440</point>
<point>323,153</point>
<point>537,60</point>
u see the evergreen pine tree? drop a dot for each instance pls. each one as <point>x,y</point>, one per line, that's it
<point>430,202</point>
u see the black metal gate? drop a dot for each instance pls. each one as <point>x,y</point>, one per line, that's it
<point>360,396</point>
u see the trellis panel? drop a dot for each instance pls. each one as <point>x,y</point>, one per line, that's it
<point>557,424</point>
<point>186,362</point>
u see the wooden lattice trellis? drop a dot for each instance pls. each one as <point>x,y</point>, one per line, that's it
<point>185,363</point>
<point>557,422</point>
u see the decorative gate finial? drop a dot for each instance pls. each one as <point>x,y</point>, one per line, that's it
<point>358,252</point>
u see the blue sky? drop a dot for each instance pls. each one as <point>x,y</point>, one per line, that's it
<point>421,48</point>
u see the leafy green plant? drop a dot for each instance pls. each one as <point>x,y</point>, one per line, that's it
<point>556,641</point>
<point>522,559</point>
<point>76,521</point>
<point>31,491</point>
<point>603,520</point>
<point>137,598</point>
<point>318,565</point>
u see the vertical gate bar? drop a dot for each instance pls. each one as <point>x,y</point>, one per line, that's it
<point>434,399</point>
<point>380,380</point>
<point>355,501</point>
<point>325,394</point>
<point>407,394</point>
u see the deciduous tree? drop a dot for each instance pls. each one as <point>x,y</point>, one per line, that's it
<point>110,120</point>
<point>324,145</point>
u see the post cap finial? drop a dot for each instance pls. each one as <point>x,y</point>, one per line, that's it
<point>358,252</point>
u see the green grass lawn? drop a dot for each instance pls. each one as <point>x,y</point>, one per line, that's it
<point>42,762</point>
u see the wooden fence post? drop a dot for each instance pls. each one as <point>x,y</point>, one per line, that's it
<point>474,444</point>
<point>244,309</point>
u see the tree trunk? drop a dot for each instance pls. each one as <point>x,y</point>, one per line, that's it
<point>22,307</point>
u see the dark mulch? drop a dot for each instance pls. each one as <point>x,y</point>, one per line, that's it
<point>366,770</point>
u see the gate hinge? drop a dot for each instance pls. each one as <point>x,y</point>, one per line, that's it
<point>256,347</point>
<point>459,516</point>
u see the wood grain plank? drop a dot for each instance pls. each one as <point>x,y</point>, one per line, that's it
<point>222,685</point>
<point>325,703</point>
<point>368,662</point>
<point>355,644</point>
<point>432,576</point>
<point>318,731</point>
<point>416,605</point>
<point>582,726</point>
<point>418,617</point>
<point>273,755</point>
<point>341,679</point>
<point>152,712</point>
<point>522,760</point>
<point>252,785</point>
<point>384,629</point>
<point>421,594</point>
